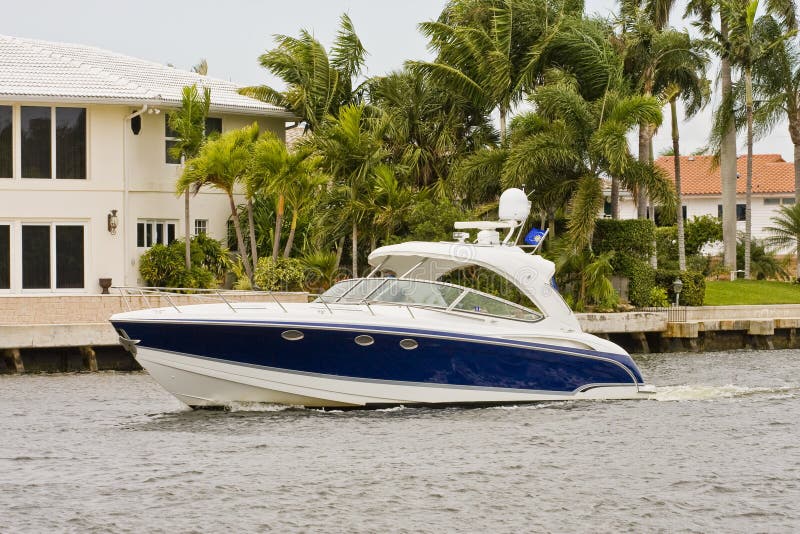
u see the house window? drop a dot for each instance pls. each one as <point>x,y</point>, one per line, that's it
<point>200,226</point>
<point>170,140</point>
<point>5,256</point>
<point>787,201</point>
<point>71,143</point>
<point>213,125</point>
<point>39,256</point>
<point>69,257</point>
<point>36,142</point>
<point>38,149</point>
<point>149,233</point>
<point>740,211</point>
<point>6,146</point>
<point>233,241</point>
<point>772,202</point>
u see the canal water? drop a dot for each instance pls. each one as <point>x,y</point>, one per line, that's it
<point>718,450</point>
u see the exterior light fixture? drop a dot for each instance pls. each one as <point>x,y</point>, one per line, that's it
<point>677,287</point>
<point>113,222</point>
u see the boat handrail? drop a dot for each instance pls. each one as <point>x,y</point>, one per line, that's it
<point>228,297</point>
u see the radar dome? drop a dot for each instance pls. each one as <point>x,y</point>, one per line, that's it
<point>514,205</point>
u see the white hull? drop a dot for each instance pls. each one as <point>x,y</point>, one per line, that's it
<point>203,382</point>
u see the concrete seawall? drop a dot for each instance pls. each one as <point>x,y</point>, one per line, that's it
<point>41,333</point>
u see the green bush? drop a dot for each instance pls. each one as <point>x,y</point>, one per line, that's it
<point>667,246</point>
<point>632,237</point>
<point>659,297</point>
<point>701,230</point>
<point>433,221</point>
<point>165,266</point>
<point>694,285</point>
<point>641,278</point>
<point>285,274</point>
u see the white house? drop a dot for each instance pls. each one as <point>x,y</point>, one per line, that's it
<point>86,184</point>
<point>773,187</point>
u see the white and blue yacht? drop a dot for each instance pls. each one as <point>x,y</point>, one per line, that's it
<point>400,336</point>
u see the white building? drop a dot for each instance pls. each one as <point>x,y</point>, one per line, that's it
<point>83,142</point>
<point>773,187</point>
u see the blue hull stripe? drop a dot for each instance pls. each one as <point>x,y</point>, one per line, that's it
<point>456,360</point>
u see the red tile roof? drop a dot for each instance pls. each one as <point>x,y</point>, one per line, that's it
<point>699,176</point>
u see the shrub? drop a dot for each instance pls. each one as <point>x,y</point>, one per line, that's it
<point>283,274</point>
<point>764,264</point>
<point>433,221</point>
<point>694,285</point>
<point>165,266</point>
<point>632,237</point>
<point>641,278</point>
<point>659,297</point>
<point>667,246</point>
<point>701,230</point>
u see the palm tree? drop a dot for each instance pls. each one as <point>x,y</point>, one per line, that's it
<point>491,52</point>
<point>189,123</point>
<point>776,88</point>
<point>426,128</point>
<point>686,81</point>
<point>223,163</point>
<point>317,83</point>
<point>743,49</point>
<point>704,10</point>
<point>201,67</point>
<point>575,143</point>
<point>391,199</point>
<point>350,152</point>
<point>785,233</point>
<point>303,193</point>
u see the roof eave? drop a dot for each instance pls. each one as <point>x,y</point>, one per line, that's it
<point>160,102</point>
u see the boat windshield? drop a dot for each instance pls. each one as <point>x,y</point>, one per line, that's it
<point>425,294</point>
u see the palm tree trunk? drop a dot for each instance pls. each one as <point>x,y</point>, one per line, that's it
<point>248,269</point>
<point>187,234</point>
<point>644,157</point>
<point>252,227</point>
<point>339,251</point>
<point>355,249</point>
<point>503,113</point>
<point>614,197</point>
<point>727,165</point>
<point>797,192</point>
<point>276,238</point>
<point>748,81</point>
<point>290,240</point>
<point>676,149</point>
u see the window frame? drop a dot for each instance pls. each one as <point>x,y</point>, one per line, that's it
<point>17,142</point>
<point>13,142</point>
<point>153,224</point>
<point>53,257</point>
<point>12,227</point>
<point>201,228</point>
<point>168,139</point>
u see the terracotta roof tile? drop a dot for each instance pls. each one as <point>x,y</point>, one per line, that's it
<point>699,176</point>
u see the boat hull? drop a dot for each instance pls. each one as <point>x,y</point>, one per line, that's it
<point>205,382</point>
<point>216,364</point>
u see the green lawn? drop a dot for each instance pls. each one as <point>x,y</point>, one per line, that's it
<point>722,293</point>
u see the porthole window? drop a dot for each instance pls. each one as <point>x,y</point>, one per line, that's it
<point>292,335</point>
<point>364,340</point>
<point>409,344</point>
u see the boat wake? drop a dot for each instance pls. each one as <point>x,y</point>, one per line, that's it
<point>730,391</point>
<point>259,407</point>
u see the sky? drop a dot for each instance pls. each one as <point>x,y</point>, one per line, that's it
<point>232,34</point>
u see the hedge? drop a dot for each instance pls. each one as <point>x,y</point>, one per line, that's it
<point>632,237</point>
<point>694,285</point>
<point>632,242</point>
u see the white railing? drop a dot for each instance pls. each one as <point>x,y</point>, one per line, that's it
<point>170,294</point>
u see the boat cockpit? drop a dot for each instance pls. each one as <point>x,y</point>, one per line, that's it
<point>425,294</point>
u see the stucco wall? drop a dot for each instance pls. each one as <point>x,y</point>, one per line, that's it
<point>113,152</point>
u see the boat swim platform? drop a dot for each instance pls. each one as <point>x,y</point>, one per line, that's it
<point>44,333</point>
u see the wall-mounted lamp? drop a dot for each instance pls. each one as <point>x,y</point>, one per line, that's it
<point>113,222</point>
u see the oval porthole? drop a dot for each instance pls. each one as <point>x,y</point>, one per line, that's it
<point>409,344</point>
<point>364,341</point>
<point>292,335</point>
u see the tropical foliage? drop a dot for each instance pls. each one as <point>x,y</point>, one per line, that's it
<point>523,93</point>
